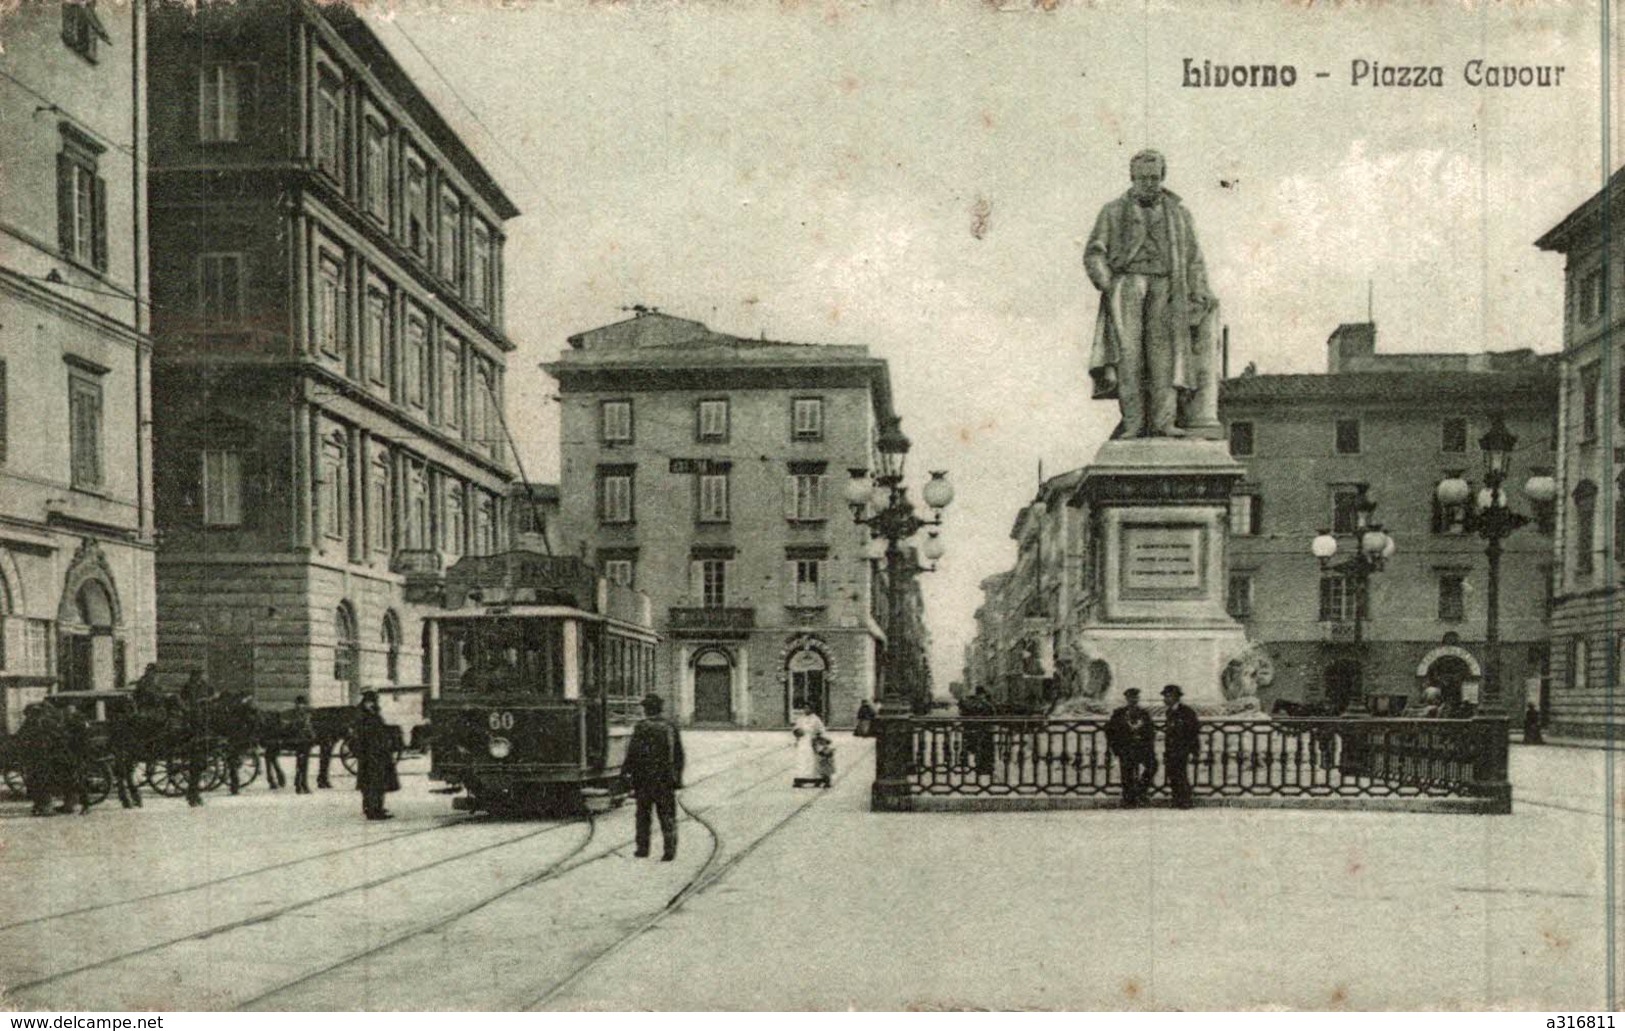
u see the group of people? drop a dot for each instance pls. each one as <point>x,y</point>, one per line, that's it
<point>1132,737</point>
<point>55,752</point>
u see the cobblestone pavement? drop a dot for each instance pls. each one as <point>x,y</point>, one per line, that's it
<point>804,899</point>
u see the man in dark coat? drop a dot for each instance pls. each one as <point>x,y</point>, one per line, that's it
<point>1181,742</point>
<point>73,764</point>
<point>39,742</point>
<point>301,735</point>
<point>654,771</point>
<point>1132,738</point>
<point>979,736</point>
<point>374,758</point>
<point>196,697</point>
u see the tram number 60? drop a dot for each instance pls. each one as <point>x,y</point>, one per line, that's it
<point>500,720</point>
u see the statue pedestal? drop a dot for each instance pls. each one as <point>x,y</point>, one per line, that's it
<point>1159,518</point>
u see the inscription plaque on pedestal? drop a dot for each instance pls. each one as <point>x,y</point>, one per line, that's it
<point>1162,560</point>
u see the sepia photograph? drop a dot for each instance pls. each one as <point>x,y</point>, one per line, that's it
<point>606,506</point>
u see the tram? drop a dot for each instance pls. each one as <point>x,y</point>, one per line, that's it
<point>539,667</point>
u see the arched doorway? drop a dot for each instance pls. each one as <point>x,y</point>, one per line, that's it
<point>84,665</point>
<point>1342,684</point>
<point>347,653</point>
<point>389,636</point>
<point>809,683</point>
<point>713,687</point>
<point>1448,673</point>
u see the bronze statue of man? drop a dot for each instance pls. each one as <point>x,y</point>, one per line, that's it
<point>1153,340</point>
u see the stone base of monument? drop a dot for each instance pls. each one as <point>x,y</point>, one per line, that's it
<point>1159,519</point>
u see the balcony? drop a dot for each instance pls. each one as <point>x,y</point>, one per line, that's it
<point>425,572</point>
<point>706,622</point>
<point>1338,631</point>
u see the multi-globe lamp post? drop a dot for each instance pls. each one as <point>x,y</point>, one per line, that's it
<point>1487,514</point>
<point>1373,548</point>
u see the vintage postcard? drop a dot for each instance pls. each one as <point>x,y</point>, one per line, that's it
<point>810,505</point>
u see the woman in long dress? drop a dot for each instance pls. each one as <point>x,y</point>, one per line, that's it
<point>805,726</point>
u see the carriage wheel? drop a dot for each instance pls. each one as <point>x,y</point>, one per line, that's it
<point>170,776</point>
<point>154,773</point>
<point>346,756</point>
<point>248,767</point>
<point>98,782</point>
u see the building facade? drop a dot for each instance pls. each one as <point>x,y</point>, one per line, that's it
<point>1588,641</point>
<point>707,470</point>
<point>329,351</point>
<point>77,610</point>
<point>1396,424</point>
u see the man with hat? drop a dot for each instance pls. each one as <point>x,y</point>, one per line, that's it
<point>1133,738</point>
<point>1181,742</point>
<point>374,758</point>
<point>654,772</point>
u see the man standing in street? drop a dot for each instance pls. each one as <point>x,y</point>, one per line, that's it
<point>1181,742</point>
<point>374,757</point>
<point>654,771</point>
<point>1153,341</point>
<point>1132,738</point>
<point>301,736</point>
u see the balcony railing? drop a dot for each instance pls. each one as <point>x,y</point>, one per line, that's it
<point>711,620</point>
<point>1418,764</point>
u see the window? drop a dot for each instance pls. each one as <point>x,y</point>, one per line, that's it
<point>1585,526</point>
<point>712,492</point>
<point>620,571</point>
<point>451,237</point>
<point>806,494</point>
<point>804,582</point>
<point>1452,597</point>
<point>451,382</point>
<point>483,427</point>
<point>81,28</point>
<point>380,522</point>
<point>482,274</point>
<point>713,583</point>
<point>1241,439</point>
<point>85,430</point>
<point>222,488</point>
<point>335,488</point>
<point>1246,515</point>
<point>1593,291</point>
<point>1347,440</point>
<point>454,524</point>
<point>36,647</point>
<point>1588,402</point>
<point>1345,508</point>
<point>711,421</point>
<point>346,646</point>
<point>329,327</point>
<point>417,206</point>
<point>329,126</point>
<point>417,359</point>
<point>1340,600</point>
<point>1579,663</point>
<point>81,201</point>
<point>225,102</point>
<point>615,422</point>
<point>615,497</point>
<point>485,525</point>
<point>389,636</point>
<point>1453,436</point>
<point>375,335</point>
<point>220,287</point>
<point>375,170</point>
<point>807,418</point>
<point>1239,599</point>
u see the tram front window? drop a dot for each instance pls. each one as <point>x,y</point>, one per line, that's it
<point>503,655</point>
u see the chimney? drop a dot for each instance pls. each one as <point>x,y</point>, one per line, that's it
<point>1349,343</point>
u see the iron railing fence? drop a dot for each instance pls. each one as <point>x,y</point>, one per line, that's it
<point>1317,760</point>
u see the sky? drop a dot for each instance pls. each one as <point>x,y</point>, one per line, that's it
<point>920,178</point>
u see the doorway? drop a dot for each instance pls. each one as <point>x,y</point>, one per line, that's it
<point>1342,684</point>
<point>1448,673</point>
<point>713,688</point>
<point>809,684</point>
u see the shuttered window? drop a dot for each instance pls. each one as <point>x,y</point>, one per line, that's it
<point>713,498</point>
<point>806,497</point>
<point>81,201</point>
<point>225,102</point>
<point>220,287</point>
<point>708,582</point>
<point>804,582</point>
<point>85,430</point>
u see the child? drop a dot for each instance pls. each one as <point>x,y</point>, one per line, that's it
<point>824,758</point>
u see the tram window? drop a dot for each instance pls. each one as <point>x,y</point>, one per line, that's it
<point>503,656</point>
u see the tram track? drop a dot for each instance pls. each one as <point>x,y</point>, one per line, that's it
<point>557,869</point>
<point>707,877</point>
<point>552,870</point>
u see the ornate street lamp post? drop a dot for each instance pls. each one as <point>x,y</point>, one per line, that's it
<point>1488,515</point>
<point>1374,547</point>
<point>883,507</point>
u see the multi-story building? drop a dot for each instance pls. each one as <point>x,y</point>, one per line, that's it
<point>1396,425</point>
<point>1588,635</point>
<point>533,516</point>
<point>76,530</point>
<point>329,350</point>
<point>707,471</point>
